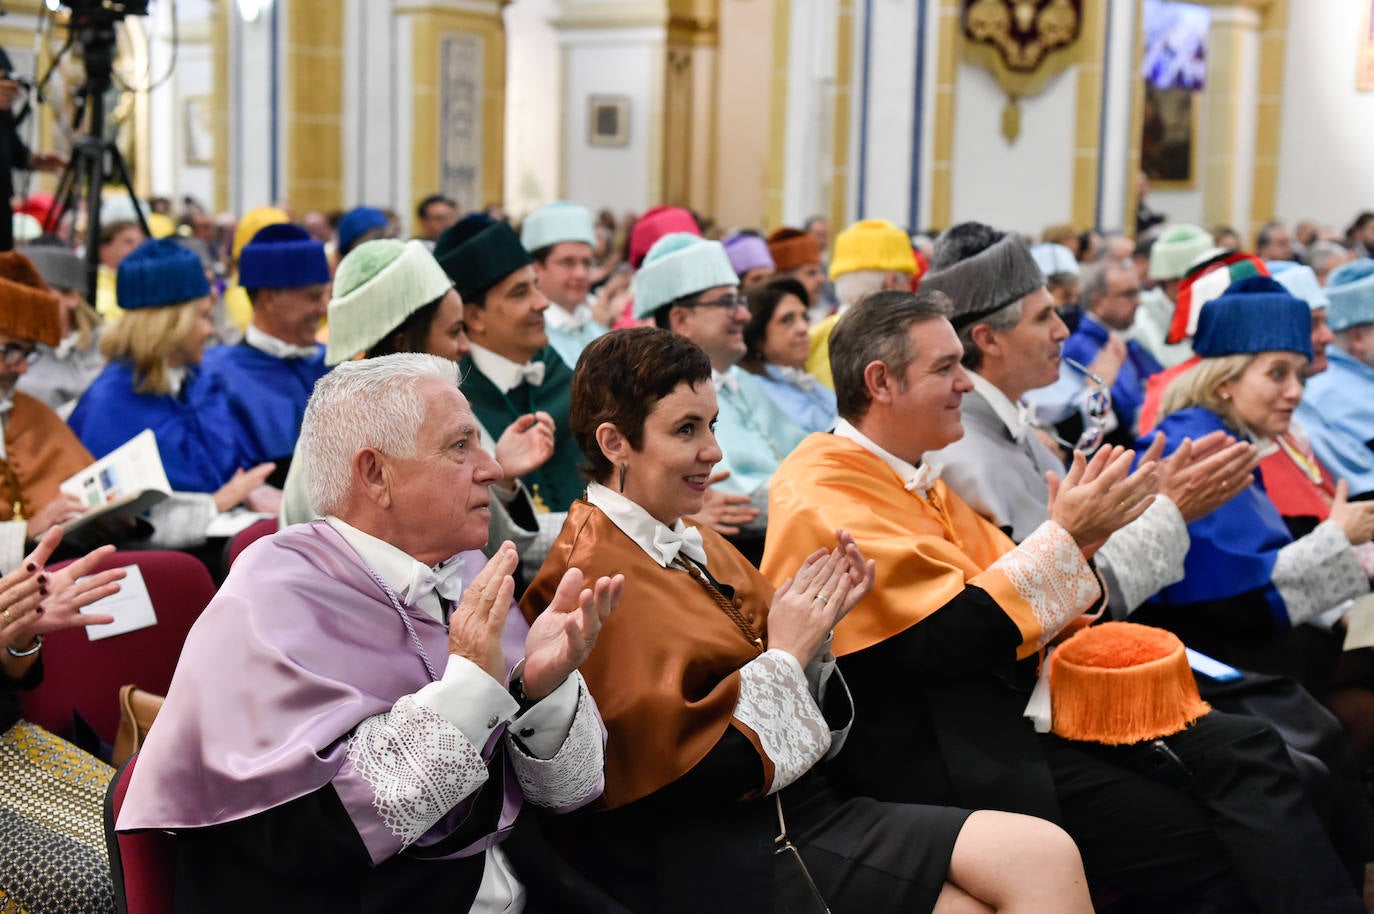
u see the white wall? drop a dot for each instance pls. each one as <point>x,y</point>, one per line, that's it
<point>891,88</point>
<point>1328,127</point>
<point>611,62</point>
<point>191,76</point>
<point>373,144</point>
<point>810,110</point>
<point>532,109</point>
<point>1024,186</point>
<point>251,103</point>
<point>1119,140</point>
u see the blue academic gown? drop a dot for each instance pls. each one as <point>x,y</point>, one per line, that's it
<point>1128,391</point>
<point>569,341</point>
<point>1234,548</point>
<point>267,395</point>
<point>813,410</point>
<point>1337,412</point>
<point>196,431</point>
<point>753,434</point>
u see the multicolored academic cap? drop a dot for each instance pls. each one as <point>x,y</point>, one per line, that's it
<point>1213,272</point>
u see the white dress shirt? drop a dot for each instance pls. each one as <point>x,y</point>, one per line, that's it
<point>470,699</point>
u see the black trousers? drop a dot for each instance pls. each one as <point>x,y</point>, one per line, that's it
<point>1216,820</point>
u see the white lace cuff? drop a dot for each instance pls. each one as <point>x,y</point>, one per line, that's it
<point>775,703</point>
<point>13,534</point>
<point>1145,556</point>
<point>1316,572</point>
<point>180,520</point>
<point>576,773</point>
<point>1049,572</point>
<point>418,765</point>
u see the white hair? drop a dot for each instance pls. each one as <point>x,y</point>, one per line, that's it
<point>850,287</point>
<point>372,403</point>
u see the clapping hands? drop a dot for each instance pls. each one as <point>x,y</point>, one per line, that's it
<point>826,587</point>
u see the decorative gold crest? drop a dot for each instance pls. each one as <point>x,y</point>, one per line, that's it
<point>1022,43</point>
<point>1023,31</point>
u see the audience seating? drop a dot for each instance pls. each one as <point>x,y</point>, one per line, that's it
<point>246,537</point>
<point>85,676</point>
<point>142,864</point>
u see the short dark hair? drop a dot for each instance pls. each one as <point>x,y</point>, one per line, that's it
<point>1358,225</point>
<point>661,314</point>
<point>620,377</point>
<point>422,210</point>
<point>109,230</point>
<point>411,334</point>
<point>876,330</point>
<point>1266,233</point>
<point>764,299</point>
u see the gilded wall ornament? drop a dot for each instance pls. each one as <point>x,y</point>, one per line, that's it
<point>1022,43</point>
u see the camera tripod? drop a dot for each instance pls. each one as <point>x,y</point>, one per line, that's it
<point>95,159</point>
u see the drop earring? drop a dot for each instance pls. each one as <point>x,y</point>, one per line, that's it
<point>622,479</point>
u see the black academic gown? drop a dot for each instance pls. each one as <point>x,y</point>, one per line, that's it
<point>1210,819</point>
<point>307,857</point>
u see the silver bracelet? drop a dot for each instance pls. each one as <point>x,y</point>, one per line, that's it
<point>37,644</point>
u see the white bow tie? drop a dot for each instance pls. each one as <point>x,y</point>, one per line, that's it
<point>925,476</point>
<point>668,543</point>
<point>6,404</point>
<point>447,582</point>
<point>265,342</point>
<point>578,318</point>
<point>797,377</point>
<point>532,373</point>
<point>1023,423</point>
<point>66,347</point>
<point>726,381</point>
<point>176,378</point>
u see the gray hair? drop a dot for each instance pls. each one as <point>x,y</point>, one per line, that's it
<point>851,287</point>
<point>1001,320</point>
<point>877,330</point>
<point>372,403</point>
<point>987,274</point>
<point>1093,282</point>
<point>1322,256</point>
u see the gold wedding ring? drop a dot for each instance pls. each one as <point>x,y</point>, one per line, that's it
<point>7,615</point>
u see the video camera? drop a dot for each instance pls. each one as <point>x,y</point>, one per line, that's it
<point>103,12</point>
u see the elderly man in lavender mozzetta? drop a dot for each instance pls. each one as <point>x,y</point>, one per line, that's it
<point>380,716</point>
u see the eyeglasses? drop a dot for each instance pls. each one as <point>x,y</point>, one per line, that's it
<point>1097,407</point>
<point>728,302</point>
<point>15,354</point>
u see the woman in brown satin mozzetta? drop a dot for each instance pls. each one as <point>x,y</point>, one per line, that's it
<point>721,698</point>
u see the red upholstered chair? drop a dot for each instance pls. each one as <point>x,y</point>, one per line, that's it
<point>246,537</point>
<point>142,864</point>
<point>85,676</point>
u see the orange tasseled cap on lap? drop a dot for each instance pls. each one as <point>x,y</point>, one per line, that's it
<point>1120,683</point>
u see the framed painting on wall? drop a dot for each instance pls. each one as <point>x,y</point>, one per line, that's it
<point>1169,138</point>
<point>608,120</point>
